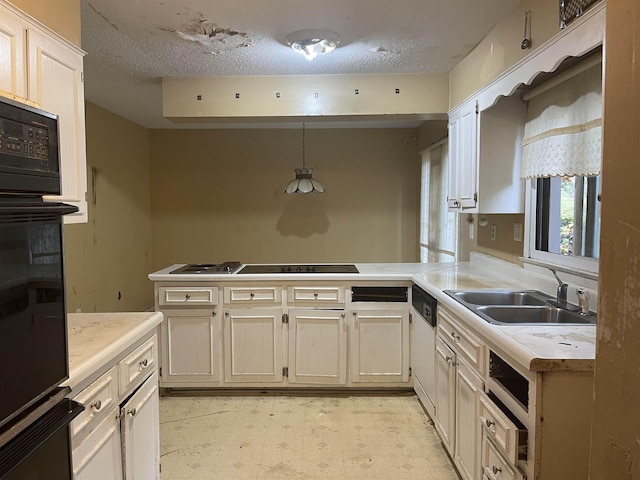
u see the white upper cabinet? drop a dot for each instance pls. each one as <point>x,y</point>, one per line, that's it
<point>13,66</point>
<point>463,158</point>
<point>40,68</point>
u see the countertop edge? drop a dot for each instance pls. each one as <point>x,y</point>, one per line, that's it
<point>135,327</point>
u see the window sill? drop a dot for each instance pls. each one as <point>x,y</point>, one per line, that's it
<point>573,270</point>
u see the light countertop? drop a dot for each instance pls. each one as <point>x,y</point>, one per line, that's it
<point>534,347</point>
<point>97,340</point>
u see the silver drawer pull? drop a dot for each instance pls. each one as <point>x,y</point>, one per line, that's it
<point>144,363</point>
<point>97,405</point>
<point>132,412</point>
<point>495,470</point>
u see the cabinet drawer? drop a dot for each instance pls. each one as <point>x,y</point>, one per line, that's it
<point>464,342</point>
<point>507,433</point>
<point>138,365</point>
<point>188,295</point>
<point>98,398</point>
<point>494,466</point>
<point>245,295</point>
<point>316,295</point>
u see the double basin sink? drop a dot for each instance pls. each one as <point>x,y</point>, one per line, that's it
<point>520,307</point>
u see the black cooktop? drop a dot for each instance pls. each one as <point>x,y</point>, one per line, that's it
<point>338,268</point>
<point>211,268</point>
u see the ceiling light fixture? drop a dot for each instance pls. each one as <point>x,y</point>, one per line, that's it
<point>304,182</point>
<point>310,43</point>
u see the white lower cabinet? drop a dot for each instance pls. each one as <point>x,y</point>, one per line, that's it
<point>379,346</point>
<point>458,388</point>
<point>191,347</point>
<point>467,438</point>
<point>445,398</point>
<point>117,436</point>
<point>253,345</point>
<point>99,455</point>
<point>317,347</point>
<point>141,432</point>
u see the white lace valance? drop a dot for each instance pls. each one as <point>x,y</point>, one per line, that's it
<point>563,132</point>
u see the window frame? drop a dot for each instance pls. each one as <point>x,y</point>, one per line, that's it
<point>579,265</point>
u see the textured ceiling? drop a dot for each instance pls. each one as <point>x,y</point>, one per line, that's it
<point>132,44</point>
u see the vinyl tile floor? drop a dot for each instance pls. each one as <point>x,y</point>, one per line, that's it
<point>299,437</point>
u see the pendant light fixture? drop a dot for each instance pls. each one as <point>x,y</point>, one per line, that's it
<point>304,181</point>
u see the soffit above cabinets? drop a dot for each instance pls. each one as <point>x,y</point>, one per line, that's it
<point>133,45</point>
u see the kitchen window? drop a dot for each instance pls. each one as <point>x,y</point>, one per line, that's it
<point>438,226</point>
<point>562,156</point>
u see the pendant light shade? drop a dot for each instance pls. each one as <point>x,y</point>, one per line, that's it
<point>304,181</point>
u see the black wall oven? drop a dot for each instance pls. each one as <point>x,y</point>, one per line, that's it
<point>34,410</point>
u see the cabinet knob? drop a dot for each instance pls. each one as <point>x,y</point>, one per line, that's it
<point>315,295</point>
<point>489,423</point>
<point>187,296</point>
<point>495,469</point>
<point>252,295</point>
<point>97,405</point>
<point>448,359</point>
<point>455,336</point>
<point>144,363</point>
<point>132,412</point>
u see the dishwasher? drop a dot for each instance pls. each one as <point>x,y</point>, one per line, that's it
<point>424,308</point>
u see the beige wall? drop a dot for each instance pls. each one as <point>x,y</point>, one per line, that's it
<point>615,448</point>
<point>109,258</point>
<point>61,16</point>
<point>504,246</point>
<point>501,48</point>
<point>217,196</point>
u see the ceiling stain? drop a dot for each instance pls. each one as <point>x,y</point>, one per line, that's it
<point>215,39</point>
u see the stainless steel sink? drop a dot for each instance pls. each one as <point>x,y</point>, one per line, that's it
<point>501,297</point>
<point>520,307</point>
<point>529,315</point>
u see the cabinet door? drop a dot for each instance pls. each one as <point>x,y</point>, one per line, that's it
<point>13,66</point>
<point>191,347</point>
<point>463,158</point>
<point>379,348</point>
<point>55,84</point>
<point>317,347</point>
<point>99,455</point>
<point>467,438</point>
<point>253,340</point>
<point>445,420</point>
<point>141,432</point>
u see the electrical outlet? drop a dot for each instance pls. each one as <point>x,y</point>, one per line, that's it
<point>517,232</point>
<point>493,233</point>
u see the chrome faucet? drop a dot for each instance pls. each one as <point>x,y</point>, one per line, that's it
<point>561,294</point>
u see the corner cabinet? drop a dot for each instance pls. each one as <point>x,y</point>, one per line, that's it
<point>40,68</point>
<point>463,157</point>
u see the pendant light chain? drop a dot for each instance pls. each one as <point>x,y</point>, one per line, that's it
<point>303,162</point>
